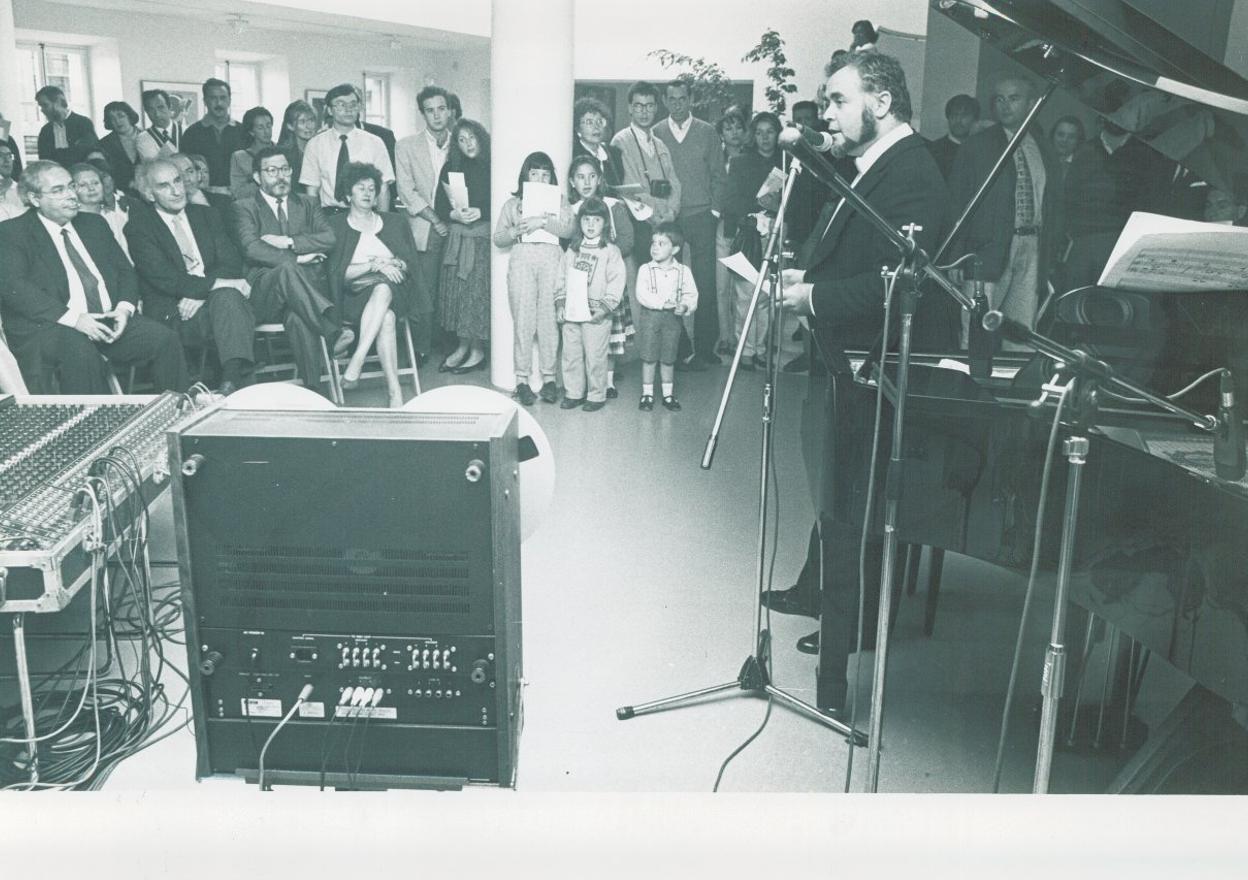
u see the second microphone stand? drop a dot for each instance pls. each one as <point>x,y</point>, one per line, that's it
<point>754,679</point>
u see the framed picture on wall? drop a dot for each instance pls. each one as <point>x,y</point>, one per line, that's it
<point>316,97</point>
<point>190,106</point>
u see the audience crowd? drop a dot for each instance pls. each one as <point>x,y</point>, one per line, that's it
<point>169,244</point>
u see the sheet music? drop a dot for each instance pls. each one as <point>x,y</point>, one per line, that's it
<point>1168,255</point>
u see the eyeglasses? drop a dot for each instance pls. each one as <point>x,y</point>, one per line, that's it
<point>56,190</point>
<point>345,105</point>
<point>279,171</point>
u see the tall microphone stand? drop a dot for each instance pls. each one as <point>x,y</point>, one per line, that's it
<point>913,269</point>
<point>1084,377</point>
<point>754,678</point>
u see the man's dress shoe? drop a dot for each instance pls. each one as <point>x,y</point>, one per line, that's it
<point>809,644</point>
<point>790,601</point>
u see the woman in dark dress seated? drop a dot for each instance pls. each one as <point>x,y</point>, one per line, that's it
<point>371,277</point>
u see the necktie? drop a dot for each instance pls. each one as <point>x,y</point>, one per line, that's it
<point>174,131</point>
<point>282,223</point>
<point>185,245</point>
<point>1024,193</point>
<point>162,136</point>
<point>344,156</point>
<point>90,285</point>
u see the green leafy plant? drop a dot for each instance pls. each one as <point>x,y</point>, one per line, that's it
<point>709,84</point>
<point>770,50</point>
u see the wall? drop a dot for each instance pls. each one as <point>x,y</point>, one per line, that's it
<point>133,47</point>
<point>612,39</point>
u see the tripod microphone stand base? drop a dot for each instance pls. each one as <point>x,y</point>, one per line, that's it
<point>753,680</point>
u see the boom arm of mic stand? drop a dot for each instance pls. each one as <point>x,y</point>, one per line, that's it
<point>994,321</point>
<point>993,174</point>
<point>822,169</point>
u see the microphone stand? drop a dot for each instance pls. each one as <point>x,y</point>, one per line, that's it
<point>1086,376</point>
<point>913,269</point>
<point>754,677</point>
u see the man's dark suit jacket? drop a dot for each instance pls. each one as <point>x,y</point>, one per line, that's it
<point>79,133</point>
<point>34,288</point>
<point>904,186</point>
<point>990,229</point>
<point>305,224</point>
<point>163,278</point>
<point>944,151</point>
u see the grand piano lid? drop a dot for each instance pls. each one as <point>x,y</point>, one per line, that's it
<point>1130,70</point>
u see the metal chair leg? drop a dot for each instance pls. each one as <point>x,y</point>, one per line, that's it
<point>411,354</point>
<point>335,383</point>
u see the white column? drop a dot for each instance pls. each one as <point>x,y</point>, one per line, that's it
<point>10,87</point>
<point>531,109</point>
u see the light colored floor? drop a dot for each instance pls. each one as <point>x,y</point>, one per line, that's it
<point>641,584</point>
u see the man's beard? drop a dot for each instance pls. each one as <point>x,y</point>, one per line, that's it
<point>845,145</point>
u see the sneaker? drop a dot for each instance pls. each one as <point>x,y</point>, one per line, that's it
<point>593,405</point>
<point>647,403</point>
<point>671,404</point>
<point>524,394</point>
<point>549,392</point>
<point>571,402</point>
<point>612,394</point>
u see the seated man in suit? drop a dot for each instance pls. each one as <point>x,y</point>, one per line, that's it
<point>67,137</point>
<point>68,294</point>
<point>285,240</point>
<point>190,272</point>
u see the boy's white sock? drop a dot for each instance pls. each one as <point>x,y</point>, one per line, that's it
<point>668,388</point>
<point>647,390</point>
<point>610,378</point>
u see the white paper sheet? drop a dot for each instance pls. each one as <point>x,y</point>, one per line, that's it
<point>1168,255</point>
<point>576,306</point>
<point>640,210</point>
<point>738,265</point>
<point>457,190</point>
<point>540,200</point>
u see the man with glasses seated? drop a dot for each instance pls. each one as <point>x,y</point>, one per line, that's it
<point>190,273</point>
<point>68,294</point>
<point>285,240</point>
<point>343,142</point>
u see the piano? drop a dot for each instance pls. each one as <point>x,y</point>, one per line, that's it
<point>1162,546</point>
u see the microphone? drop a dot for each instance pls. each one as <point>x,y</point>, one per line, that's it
<point>1229,458</point>
<point>819,141</point>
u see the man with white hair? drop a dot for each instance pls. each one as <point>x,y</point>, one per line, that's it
<point>190,272</point>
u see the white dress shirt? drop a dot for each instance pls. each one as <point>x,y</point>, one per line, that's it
<point>77,296</point>
<point>679,131</point>
<point>11,204</point>
<point>180,225</point>
<point>437,155</point>
<point>320,160</point>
